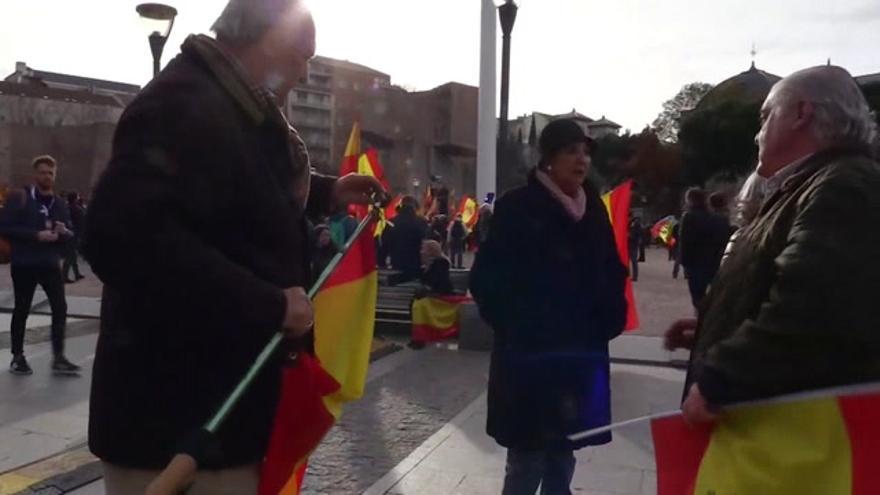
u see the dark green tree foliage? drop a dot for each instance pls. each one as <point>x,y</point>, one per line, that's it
<point>720,141</point>
<point>668,123</point>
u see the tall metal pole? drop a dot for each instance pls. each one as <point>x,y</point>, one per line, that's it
<point>157,44</point>
<point>487,123</point>
<point>507,15</point>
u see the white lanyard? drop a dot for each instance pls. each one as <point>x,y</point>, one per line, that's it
<point>44,209</point>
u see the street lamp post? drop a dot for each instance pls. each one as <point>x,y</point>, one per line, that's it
<point>158,19</point>
<point>507,16</point>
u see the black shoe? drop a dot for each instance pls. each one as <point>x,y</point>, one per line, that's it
<point>68,281</point>
<point>19,366</point>
<point>80,277</point>
<point>61,366</point>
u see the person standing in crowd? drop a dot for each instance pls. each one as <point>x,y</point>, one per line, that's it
<point>550,283</point>
<point>325,249</point>
<point>403,242</point>
<point>37,223</point>
<point>484,221</point>
<point>794,307</point>
<point>457,240</point>
<point>71,255</point>
<point>676,250</point>
<point>719,206</point>
<point>439,230</point>
<point>198,230</point>
<point>702,239</point>
<point>635,245</point>
<point>341,225</point>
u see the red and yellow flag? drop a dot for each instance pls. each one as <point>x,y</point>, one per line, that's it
<point>435,318</point>
<point>428,201</point>
<point>663,230</point>
<point>469,211</point>
<point>617,203</point>
<point>352,151</point>
<point>823,446</point>
<point>315,388</point>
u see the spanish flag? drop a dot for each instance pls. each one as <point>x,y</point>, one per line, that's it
<point>435,318</point>
<point>663,230</point>
<point>316,387</point>
<point>818,446</point>
<point>352,154</point>
<point>617,203</point>
<point>469,212</point>
<point>355,162</point>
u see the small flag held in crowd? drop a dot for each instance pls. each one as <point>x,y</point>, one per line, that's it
<point>663,230</point>
<point>469,211</point>
<point>617,203</point>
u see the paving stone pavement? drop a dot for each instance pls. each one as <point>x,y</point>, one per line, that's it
<point>460,459</point>
<point>399,411</point>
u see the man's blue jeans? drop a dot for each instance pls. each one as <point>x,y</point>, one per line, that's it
<point>552,470</point>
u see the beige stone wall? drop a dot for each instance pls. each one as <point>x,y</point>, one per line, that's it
<point>16,109</point>
<point>82,152</point>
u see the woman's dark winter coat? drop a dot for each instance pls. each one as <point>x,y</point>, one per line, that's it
<point>553,304</point>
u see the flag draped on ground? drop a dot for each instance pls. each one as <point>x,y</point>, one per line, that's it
<point>617,203</point>
<point>315,388</point>
<point>663,230</point>
<point>828,445</point>
<point>435,318</point>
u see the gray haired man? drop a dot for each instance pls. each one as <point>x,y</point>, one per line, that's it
<point>198,231</point>
<point>794,305</point>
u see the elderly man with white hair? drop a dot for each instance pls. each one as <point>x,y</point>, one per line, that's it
<point>794,305</point>
<point>198,231</point>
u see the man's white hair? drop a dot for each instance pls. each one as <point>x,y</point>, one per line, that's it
<point>842,116</point>
<point>243,22</point>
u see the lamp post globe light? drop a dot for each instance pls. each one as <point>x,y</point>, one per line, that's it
<point>158,19</point>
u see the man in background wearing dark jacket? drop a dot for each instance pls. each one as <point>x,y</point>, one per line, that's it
<point>794,306</point>
<point>198,230</point>
<point>702,237</point>
<point>37,223</point>
<point>403,242</point>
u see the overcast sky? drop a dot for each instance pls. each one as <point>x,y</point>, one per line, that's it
<point>619,58</point>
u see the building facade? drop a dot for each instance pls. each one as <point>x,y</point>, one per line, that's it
<point>69,117</point>
<point>418,134</point>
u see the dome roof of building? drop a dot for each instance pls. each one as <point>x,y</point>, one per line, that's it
<point>751,86</point>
